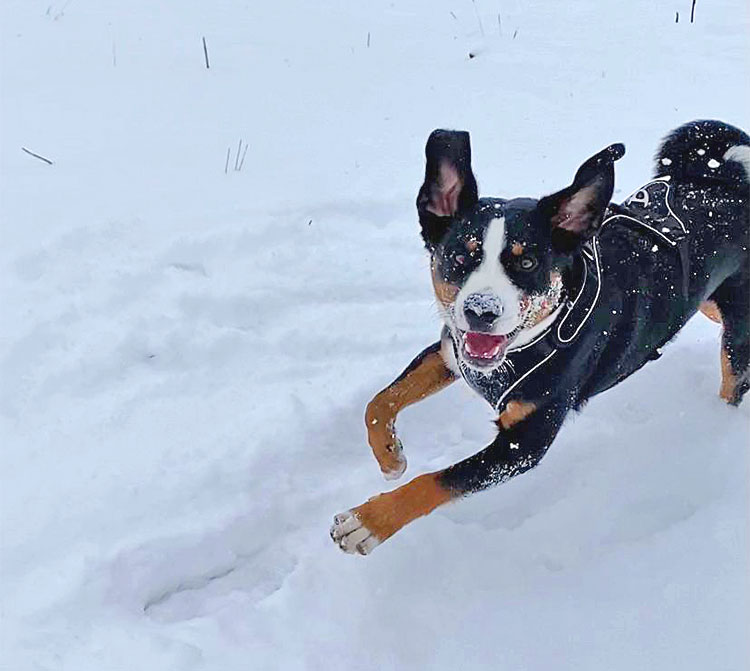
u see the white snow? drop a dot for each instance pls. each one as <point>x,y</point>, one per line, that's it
<point>186,354</point>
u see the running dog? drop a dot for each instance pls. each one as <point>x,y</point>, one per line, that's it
<point>548,302</point>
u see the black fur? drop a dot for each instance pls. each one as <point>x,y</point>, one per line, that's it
<point>689,150</point>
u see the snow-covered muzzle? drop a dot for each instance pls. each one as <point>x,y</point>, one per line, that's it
<point>486,351</point>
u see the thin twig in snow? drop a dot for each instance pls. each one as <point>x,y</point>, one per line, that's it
<point>242,160</point>
<point>237,158</point>
<point>692,12</point>
<point>368,39</point>
<point>205,54</point>
<point>41,158</point>
<point>479,20</point>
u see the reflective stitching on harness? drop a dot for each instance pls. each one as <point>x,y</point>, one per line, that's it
<point>532,342</point>
<point>524,376</point>
<point>520,348</point>
<point>640,223</point>
<point>569,308</point>
<point>666,200</point>
<point>595,247</point>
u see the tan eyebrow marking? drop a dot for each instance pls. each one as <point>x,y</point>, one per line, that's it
<point>517,249</point>
<point>472,245</point>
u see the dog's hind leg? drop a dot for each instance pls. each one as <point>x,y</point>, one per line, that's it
<point>733,301</point>
<point>427,374</point>
<point>525,433</point>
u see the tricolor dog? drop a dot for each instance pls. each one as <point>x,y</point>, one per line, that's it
<point>548,302</point>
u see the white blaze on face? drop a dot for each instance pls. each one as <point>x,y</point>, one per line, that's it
<point>491,279</point>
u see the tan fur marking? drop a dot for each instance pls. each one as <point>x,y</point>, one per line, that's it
<point>514,412</point>
<point>517,249</point>
<point>385,514</point>
<point>729,381</point>
<point>711,310</point>
<point>444,291</point>
<point>429,377</point>
<point>472,245</point>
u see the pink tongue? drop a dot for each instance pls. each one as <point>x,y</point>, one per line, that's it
<point>483,345</point>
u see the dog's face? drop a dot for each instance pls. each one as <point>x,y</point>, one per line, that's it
<point>495,275</point>
<point>497,264</point>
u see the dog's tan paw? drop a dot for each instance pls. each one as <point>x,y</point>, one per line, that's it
<point>351,535</point>
<point>387,448</point>
<point>394,466</point>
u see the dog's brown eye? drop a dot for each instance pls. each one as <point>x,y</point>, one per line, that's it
<point>460,259</point>
<point>527,262</point>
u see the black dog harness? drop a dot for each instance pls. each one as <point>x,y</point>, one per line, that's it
<point>647,209</point>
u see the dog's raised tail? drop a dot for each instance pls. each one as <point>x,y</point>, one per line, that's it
<point>705,150</point>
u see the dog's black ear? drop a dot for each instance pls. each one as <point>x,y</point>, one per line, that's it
<point>575,212</point>
<point>449,186</point>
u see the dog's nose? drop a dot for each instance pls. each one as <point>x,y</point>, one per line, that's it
<point>482,311</point>
<point>483,321</point>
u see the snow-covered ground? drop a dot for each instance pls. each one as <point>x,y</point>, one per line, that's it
<point>185,354</point>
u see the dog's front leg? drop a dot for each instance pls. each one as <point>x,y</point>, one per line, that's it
<point>424,376</point>
<point>525,433</point>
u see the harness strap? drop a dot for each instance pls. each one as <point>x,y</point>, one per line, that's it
<point>648,208</point>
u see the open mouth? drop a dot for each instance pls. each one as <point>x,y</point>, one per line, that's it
<point>484,349</point>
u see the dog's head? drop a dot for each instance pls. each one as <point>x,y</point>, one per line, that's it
<point>497,265</point>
